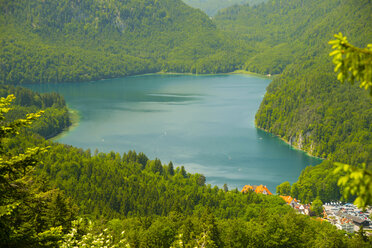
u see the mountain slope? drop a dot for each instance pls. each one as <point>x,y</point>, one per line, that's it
<point>283,32</point>
<point>306,105</point>
<point>73,40</point>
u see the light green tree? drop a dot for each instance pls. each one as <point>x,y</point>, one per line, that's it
<point>91,238</point>
<point>357,181</point>
<point>283,188</point>
<point>317,207</point>
<point>354,64</point>
<point>31,215</point>
<point>13,172</point>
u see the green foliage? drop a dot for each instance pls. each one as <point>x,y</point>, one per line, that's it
<point>330,181</point>
<point>86,236</point>
<point>163,210</point>
<point>89,40</point>
<point>55,116</point>
<point>274,230</point>
<point>305,105</point>
<point>318,182</point>
<point>14,167</point>
<point>325,119</point>
<point>354,64</point>
<point>31,214</point>
<point>108,185</point>
<point>356,181</point>
<point>317,207</point>
<point>284,189</point>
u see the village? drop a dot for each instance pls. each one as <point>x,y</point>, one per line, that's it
<point>345,216</point>
<point>348,217</point>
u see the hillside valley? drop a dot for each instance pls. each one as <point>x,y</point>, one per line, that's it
<point>56,195</point>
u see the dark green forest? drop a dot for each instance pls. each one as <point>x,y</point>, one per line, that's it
<point>59,41</point>
<point>294,31</point>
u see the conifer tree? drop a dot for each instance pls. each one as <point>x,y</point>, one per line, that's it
<point>26,204</point>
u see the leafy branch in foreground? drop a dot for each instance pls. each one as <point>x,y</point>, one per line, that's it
<point>353,63</point>
<point>31,215</point>
<point>12,168</point>
<point>357,181</point>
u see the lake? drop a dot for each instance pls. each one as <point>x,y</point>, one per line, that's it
<point>205,123</point>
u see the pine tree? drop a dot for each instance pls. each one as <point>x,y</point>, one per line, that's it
<point>24,200</point>
<point>170,169</point>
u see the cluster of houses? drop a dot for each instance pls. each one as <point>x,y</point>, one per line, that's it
<point>347,217</point>
<point>296,205</point>
<point>261,189</point>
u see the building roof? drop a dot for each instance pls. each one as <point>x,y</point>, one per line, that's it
<point>355,219</point>
<point>288,199</point>
<point>248,187</point>
<point>261,189</point>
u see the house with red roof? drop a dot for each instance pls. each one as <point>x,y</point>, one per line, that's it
<point>289,200</point>
<point>261,189</point>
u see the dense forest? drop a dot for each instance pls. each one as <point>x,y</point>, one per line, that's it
<point>294,31</point>
<point>317,182</point>
<point>55,118</point>
<point>73,40</point>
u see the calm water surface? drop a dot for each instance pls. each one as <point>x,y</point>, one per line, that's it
<point>205,123</point>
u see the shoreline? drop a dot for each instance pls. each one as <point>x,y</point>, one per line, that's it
<point>74,116</point>
<point>292,146</point>
<point>243,72</point>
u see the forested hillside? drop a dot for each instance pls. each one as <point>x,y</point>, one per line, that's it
<point>69,40</point>
<point>306,105</point>
<point>211,7</point>
<point>284,32</point>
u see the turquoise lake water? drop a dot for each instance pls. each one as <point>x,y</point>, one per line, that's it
<point>205,123</point>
